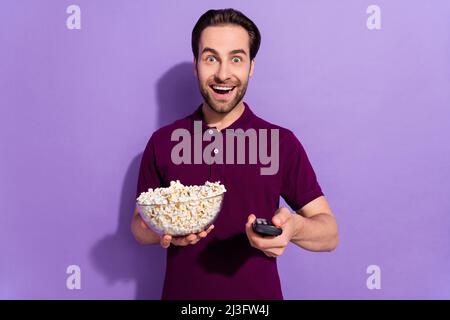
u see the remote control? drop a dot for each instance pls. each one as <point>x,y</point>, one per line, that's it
<point>266,228</point>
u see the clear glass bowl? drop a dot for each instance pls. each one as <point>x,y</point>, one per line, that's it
<point>181,218</point>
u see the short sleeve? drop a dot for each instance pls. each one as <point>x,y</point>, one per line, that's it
<point>299,183</point>
<point>149,176</point>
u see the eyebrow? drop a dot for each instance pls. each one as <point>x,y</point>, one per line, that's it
<point>207,49</point>
<point>238,51</point>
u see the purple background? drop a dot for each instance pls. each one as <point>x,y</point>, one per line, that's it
<point>372,109</point>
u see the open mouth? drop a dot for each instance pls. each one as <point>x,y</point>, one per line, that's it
<point>222,90</point>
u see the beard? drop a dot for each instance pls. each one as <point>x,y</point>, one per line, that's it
<point>223,106</point>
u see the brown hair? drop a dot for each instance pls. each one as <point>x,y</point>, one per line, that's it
<point>226,16</point>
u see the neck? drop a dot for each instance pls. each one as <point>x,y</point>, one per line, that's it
<point>222,120</point>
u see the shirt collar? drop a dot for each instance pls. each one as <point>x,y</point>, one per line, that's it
<point>242,122</point>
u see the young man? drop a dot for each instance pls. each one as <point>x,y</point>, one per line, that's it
<point>232,261</point>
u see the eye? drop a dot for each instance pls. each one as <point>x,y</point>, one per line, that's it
<point>211,59</point>
<point>236,59</point>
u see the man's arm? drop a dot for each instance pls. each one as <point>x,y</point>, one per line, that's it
<point>315,227</point>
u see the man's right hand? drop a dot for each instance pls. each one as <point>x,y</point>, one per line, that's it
<point>192,238</point>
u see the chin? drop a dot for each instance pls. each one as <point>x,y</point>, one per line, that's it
<point>221,108</point>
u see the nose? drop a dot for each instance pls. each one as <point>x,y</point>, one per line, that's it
<point>222,73</point>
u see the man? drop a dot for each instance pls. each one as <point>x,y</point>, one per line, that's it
<point>232,261</point>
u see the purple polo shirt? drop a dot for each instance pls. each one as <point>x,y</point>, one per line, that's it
<point>224,265</point>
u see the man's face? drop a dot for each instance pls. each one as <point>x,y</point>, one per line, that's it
<point>224,67</point>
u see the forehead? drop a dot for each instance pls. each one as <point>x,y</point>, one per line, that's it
<point>225,38</point>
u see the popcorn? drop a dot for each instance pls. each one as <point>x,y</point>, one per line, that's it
<point>181,210</point>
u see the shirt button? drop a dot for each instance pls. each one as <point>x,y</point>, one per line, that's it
<point>216,151</point>
<point>210,131</point>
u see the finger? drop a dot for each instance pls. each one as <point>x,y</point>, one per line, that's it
<point>251,235</point>
<point>251,218</point>
<point>195,241</point>
<point>281,216</point>
<point>211,227</point>
<point>166,240</point>
<point>266,243</point>
<point>184,241</point>
<point>274,252</point>
<point>204,233</point>
<point>248,226</point>
<point>180,241</point>
<point>191,237</point>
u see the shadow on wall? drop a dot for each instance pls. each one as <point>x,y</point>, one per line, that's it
<point>118,256</point>
<point>178,93</point>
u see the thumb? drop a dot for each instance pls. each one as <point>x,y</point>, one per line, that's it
<point>251,218</point>
<point>165,241</point>
<point>280,217</point>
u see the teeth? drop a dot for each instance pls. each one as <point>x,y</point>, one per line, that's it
<point>222,88</point>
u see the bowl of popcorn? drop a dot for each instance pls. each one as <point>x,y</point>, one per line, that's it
<point>180,210</point>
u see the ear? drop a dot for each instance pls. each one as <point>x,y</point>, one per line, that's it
<point>252,67</point>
